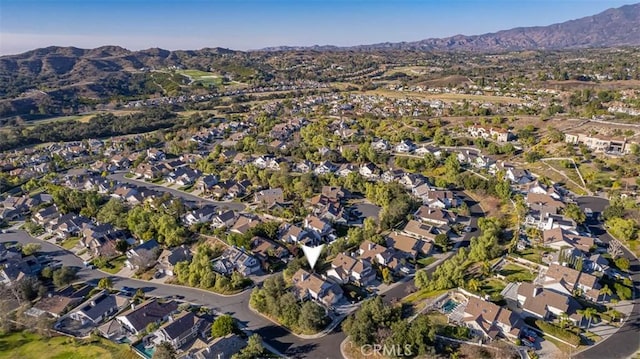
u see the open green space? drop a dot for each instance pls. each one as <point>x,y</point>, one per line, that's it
<point>25,345</point>
<point>71,242</point>
<point>515,273</point>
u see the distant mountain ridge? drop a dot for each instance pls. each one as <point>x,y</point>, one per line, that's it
<point>612,27</point>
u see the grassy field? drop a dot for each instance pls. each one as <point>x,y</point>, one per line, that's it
<point>422,294</point>
<point>115,265</point>
<point>492,286</point>
<point>426,261</point>
<point>447,97</point>
<point>22,345</point>
<point>203,77</point>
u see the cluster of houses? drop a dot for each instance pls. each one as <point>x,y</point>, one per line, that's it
<point>121,318</point>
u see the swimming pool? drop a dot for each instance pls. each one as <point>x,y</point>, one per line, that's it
<point>449,306</point>
<point>147,352</point>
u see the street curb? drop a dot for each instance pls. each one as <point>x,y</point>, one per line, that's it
<point>142,281</point>
<point>320,334</point>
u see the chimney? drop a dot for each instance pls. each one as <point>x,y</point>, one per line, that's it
<point>371,244</point>
<point>133,306</point>
<point>536,291</point>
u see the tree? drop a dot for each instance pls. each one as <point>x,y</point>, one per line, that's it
<point>442,240</point>
<point>589,314</point>
<point>63,276</point>
<point>624,229</point>
<point>122,246</point>
<point>105,283</point>
<point>614,248</point>
<point>623,263</point>
<point>312,316</point>
<point>386,275</point>
<point>606,291</point>
<point>473,285</point>
<point>223,325</point>
<point>574,212</point>
<point>31,248</point>
<point>165,350</point>
<point>253,350</point>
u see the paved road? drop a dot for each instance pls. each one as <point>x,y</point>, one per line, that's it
<point>626,341</point>
<point>119,176</point>
<point>326,347</point>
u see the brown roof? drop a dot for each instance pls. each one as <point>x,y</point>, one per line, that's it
<point>404,243</point>
<point>419,229</point>
<point>559,273</point>
<point>308,281</point>
<point>55,304</point>
<point>558,234</point>
<point>544,200</point>
<point>538,301</point>
<point>369,250</point>
<point>490,312</point>
<point>433,214</point>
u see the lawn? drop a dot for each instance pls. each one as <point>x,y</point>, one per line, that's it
<point>25,345</point>
<point>515,273</point>
<point>69,243</point>
<point>426,261</point>
<point>423,294</point>
<point>113,266</point>
<point>203,77</point>
<point>533,255</point>
<point>492,286</point>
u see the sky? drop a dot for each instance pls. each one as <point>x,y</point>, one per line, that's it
<point>255,24</point>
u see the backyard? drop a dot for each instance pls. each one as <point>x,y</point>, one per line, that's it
<point>516,273</point>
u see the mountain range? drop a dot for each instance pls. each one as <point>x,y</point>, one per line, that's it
<point>612,27</point>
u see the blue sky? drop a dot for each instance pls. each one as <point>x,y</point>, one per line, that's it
<point>253,24</point>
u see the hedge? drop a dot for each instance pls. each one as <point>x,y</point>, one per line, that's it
<point>558,332</point>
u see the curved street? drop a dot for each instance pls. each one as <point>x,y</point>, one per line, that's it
<point>617,346</point>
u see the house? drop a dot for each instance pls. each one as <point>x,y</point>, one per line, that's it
<point>54,305</point>
<point>422,192</point>
<point>544,203</point>
<point>147,171</point>
<point>13,270</point>
<point>236,259</point>
<point>224,219</point>
<point>155,154</point>
<point>136,319</point>
<point>435,216</point>
<point>200,215</point>
<point>392,175</point>
<point>321,228</point>
<point>206,183</point>
<point>269,197</point>
<point>263,249</point>
<point>143,256</point>
<point>239,189</point>
<point>442,199</point>
<point>98,308</point>
<point>181,329</point>
<point>304,167</point>
<point>600,143</point>
<point>408,246</point>
<point>381,145</point>
<point>543,303</point>
<point>345,269</point>
<point>45,215</point>
<point>346,169</point>
<point>569,281</point>
<point>310,286</point>
<point>170,257</point>
<point>244,223</point>
<point>558,239</point>
<point>101,239</point>
<point>68,225</point>
<point>490,133</point>
<point>597,263</point>
<point>335,193</point>
<point>405,146</point>
<point>419,230</point>
<point>489,319</point>
<point>290,233</point>
<point>369,171</point>
<point>518,176</point>
<point>325,167</point>
<point>219,348</point>
<point>376,253</point>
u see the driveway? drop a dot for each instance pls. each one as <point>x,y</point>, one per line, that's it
<point>119,176</point>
